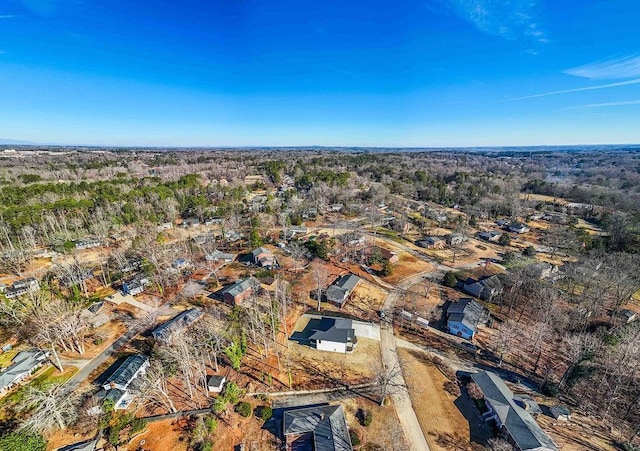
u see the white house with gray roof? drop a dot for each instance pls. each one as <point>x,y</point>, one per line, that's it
<point>22,366</point>
<point>510,417</point>
<point>118,385</point>
<point>334,335</point>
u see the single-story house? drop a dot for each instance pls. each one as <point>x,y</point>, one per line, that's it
<point>464,317</point>
<point>491,236</point>
<point>190,222</point>
<point>384,254</point>
<point>340,290</point>
<point>334,335</point>
<point>237,292</point>
<point>136,284</point>
<point>87,243</point>
<point>220,256</point>
<point>352,239</point>
<point>310,213</point>
<point>93,315</point>
<point>164,332</point>
<point>513,420</point>
<point>486,288</point>
<point>263,257</point>
<point>164,226</point>
<point>215,383</point>
<point>22,287</point>
<point>455,239</point>
<point>431,242</point>
<point>321,428</point>
<point>124,374</point>
<point>22,366</point>
<point>336,207</point>
<point>560,413</point>
<point>503,222</point>
<point>518,228</point>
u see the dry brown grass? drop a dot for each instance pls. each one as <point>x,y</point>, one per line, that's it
<point>437,414</point>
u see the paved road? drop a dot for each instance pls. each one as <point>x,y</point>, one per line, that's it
<point>401,400</point>
<point>137,328</point>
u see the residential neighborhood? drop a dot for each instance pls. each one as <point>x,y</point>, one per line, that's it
<point>239,303</point>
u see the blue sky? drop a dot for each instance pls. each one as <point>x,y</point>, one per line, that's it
<point>356,73</point>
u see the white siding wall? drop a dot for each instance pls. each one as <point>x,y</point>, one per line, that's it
<point>331,346</point>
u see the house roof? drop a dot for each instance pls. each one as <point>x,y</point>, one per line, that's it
<point>87,445</point>
<point>327,424</point>
<point>338,330</point>
<point>468,312</point>
<point>240,286</point>
<point>489,283</point>
<point>23,362</point>
<point>215,381</point>
<point>127,370</point>
<point>178,322</point>
<point>260,250</point>
<point>341,288</point>
<point>524,430</point>
<point>347,282</point>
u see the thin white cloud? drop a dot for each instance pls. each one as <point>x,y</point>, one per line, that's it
<point>515,19</point>
<point>611,68</point>
<point>610,104</point>
<point>587,88</point>
<point>7,16</point>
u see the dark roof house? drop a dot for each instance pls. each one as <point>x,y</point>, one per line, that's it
<point>165,331</point>
<point>520,428</point>
<point>321,428</point>
<point>485,288</point>
<point>341,289</point>
<point>333,334</point>
<point>126,372</point>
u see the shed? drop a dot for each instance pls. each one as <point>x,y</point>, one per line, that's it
<point>215,383</point>
<point>560,413</point>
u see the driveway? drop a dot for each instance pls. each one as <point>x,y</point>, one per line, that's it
<point>400,397</point>
<point>91,365</point>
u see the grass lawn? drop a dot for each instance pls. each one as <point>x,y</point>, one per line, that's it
<point>6,357</point>
<point>43,378</point>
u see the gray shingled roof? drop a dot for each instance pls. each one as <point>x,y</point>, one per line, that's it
<point>178,322</point>
<point>240,286</point>
<point>327,424</point>
<point>23,362</point>
<point>524,430</point>
<point>468,312</point>
<point>341,288</point>
<point>125,372</point>
<point>338,330</point>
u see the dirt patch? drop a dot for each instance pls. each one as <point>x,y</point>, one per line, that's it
<point>366,301</point>
<point>317,369</point>
<point>441,421</point>
<point>384,431</point>
<point>578,434</point>
<point>408,265</point>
